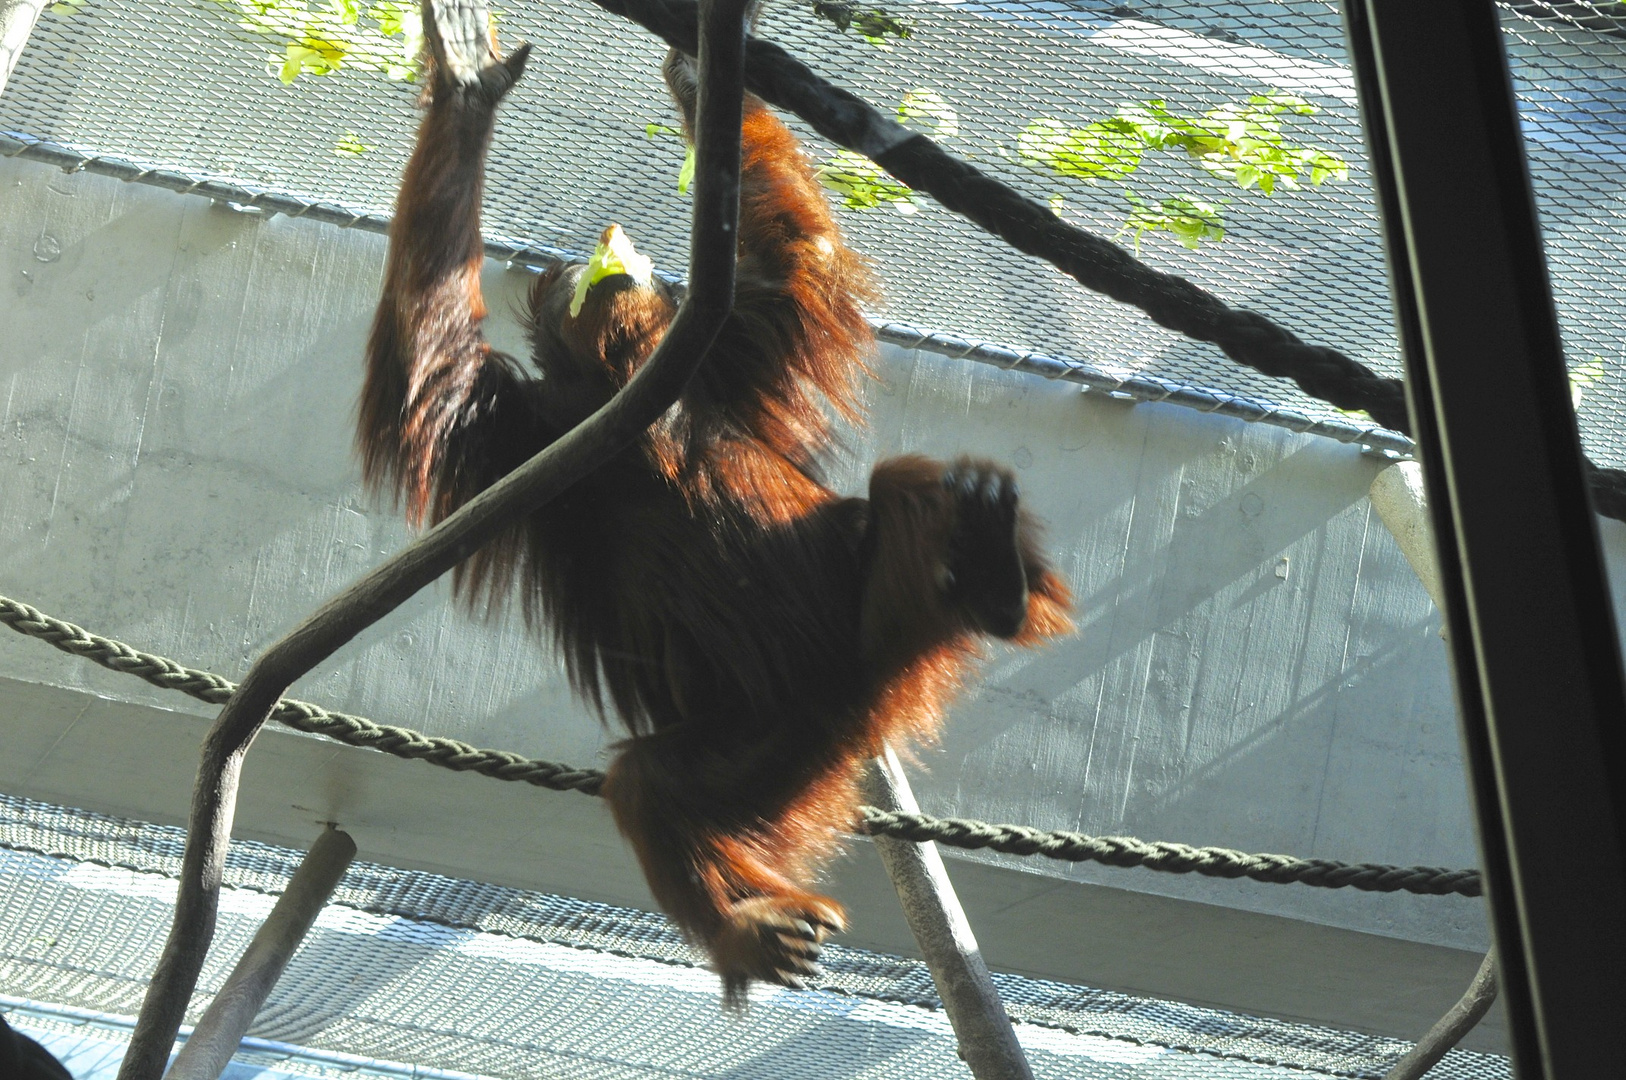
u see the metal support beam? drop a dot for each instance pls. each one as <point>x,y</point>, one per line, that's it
<point>1398,497</point>
<point>987,1040</point>
<point>1535,650</point>
<point>227,1019</point>
<point>17,19</point>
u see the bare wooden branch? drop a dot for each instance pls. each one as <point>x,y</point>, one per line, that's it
<point>712,252</point>
<point>210,1048</point>
<point>987,1040</point>
<point>1475,1003</point>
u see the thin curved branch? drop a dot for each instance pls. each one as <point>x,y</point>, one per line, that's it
<point>712,253</point>
<point>1450,1029</point>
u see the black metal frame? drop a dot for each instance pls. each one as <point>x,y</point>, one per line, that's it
<point>1531,626</point>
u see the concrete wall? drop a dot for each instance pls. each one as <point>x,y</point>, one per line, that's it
<point>1256,665</point>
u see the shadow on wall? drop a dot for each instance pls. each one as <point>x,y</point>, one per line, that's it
<point>189,486</point>
<point>1256,665</point>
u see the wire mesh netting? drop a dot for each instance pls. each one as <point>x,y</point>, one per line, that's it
<point>413,968</point>
<point>1220,138</point>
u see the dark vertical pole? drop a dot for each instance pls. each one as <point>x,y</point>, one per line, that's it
<point>1532,635</point>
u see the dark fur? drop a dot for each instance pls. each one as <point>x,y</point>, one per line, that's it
<point>758,635</point>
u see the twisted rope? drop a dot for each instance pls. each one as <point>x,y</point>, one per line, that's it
<point>954,832</point>
<point>299,715</point>
<point>1169,857</point>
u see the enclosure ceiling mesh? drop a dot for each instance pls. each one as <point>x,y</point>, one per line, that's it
<point>185,84</point>
<point>415,968</point>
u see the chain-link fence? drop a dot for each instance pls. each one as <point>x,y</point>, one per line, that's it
<point>1220,139</point>
<point>415,968</point>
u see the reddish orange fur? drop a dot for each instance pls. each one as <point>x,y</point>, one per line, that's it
<point>758,635</point>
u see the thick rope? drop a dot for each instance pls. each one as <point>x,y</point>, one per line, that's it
<point>1034,229</point>
<point>1247,337</point>
<point>955,832</point>
<point>299,715</point>
<point>1169,857</point>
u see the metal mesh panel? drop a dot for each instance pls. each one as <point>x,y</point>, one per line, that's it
<point>1569,71</point>
<point>412,967</point>
<point>182,83</point>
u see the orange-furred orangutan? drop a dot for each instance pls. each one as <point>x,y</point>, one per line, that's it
<point>758,635</point>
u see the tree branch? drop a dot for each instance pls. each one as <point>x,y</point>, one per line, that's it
<point>712,253</point>
<point>1449,1029</point>
<point>219,1033</point>
<point>988,1042</point>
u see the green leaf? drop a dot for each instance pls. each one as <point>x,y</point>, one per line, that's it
<point>615,254</point>
<point>862,184</point>
<point>875,25</point>
<point>941,121</point>
<point>1240,142</point>
<point>349,145</point>
<point>1190,221</point>
<point>686,171</point>
<point>1103,150</point>
<point>320,37</point>
<point>1276,101</point>
<point>1583,377</point>
<point>293,61</point>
